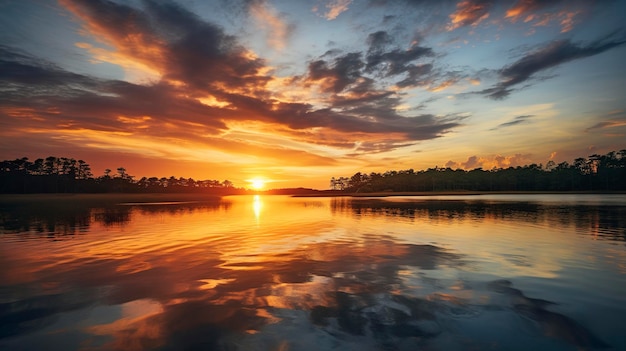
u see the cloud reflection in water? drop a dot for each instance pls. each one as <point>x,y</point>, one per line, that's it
<point>269,285</point>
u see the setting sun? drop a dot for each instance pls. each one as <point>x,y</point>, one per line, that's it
<point>257,183</point>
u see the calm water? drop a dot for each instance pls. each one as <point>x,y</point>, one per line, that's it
<point>525,272</point>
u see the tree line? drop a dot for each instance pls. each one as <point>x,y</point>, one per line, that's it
<point>68,175</point>
<point>595,173</point>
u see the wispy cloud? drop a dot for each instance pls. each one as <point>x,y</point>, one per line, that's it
<point>613,119</point>
<point>205,76</point>
<point>278,30</point>
<point>470,13</point>
<point>333,8</point>
<point>209,80</point>
<point>517,120</point>
<point>544,12</point>
<point>545,57</point>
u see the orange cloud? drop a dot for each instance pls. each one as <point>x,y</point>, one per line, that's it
<point>443,85</point>
<point>607,124</point>
<point>529,11</point>
<point>489,162</point>
<point>135,46</point>
<point>469,12</point>
<point>334,8</point>
<point>553,155</point>
<point>135,70</point>
<point>278,29</point>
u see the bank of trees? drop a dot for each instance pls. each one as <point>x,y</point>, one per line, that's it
<point>67,175</point>
<point>595,173</point>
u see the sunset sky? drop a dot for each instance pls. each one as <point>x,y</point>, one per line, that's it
<point>296,92</point>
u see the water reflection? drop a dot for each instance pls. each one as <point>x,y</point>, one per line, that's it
<point>314,274</point>
<point>257,205</point>
<point>604,221</point>
<point>56,218</point>
<point>553,324</point>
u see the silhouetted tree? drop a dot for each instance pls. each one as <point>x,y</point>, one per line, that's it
<point>598,172</point>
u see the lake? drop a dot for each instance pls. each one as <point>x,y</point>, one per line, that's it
<point>479,272</point>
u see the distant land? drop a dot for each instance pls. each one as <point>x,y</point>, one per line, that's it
<point>597,173</point>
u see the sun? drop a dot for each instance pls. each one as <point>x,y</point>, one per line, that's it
<point>257,183</point>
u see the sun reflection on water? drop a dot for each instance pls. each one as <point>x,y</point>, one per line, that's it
<point>257,206</point>
<point>373,270</point>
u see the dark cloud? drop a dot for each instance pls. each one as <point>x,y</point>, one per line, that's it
<point>197,317</point>
<point>197,59</point>
<point>380,60</point>
<point>373,117</point>
<point>390,62</point>
<point>416,75</point>
<point>368,148</point>
<point>343,71</point>
<point>90,102</point>
<point>84,102</point>
<point>515,121</point>
<point>26,76</point>
<point>202,56</point>
<point>378,41</point>
<point>373,110</point>
<point>182,46</point>
<point>548,56</point>
<point>396,61</point>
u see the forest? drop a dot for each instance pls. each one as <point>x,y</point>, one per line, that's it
<point>67,175</point>
<point>595,173</point>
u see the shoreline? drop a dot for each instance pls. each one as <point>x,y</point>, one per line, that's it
<point>458,193</point>
<point>111,198</point>
<point>200,197</point>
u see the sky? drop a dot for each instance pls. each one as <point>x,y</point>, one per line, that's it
<point>297,92</point>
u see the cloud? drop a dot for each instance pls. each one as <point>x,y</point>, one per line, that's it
<point>374,118</point>
<point>174,42</point>
<point>338,73</point>
<point>334,8</point>
<point>396,61</point>
<point>493,161</point>
<point>278,29</point>
<point>379,41</point>
<point>525,8</point>
<point>470,13</point>
<point>606,124</point>
<point>204,82</point>
<point>544,12</point>
<point>79,107</point>
<point>545,57</point>
<point>613,119</point>
<point>155,310</point>
<point>336,76</point>
<point>94,103</point>
<point>533,12</point>
<point>384,60</point>
<point>517,120</point>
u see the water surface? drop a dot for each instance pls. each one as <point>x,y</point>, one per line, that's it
<point>498,272</point>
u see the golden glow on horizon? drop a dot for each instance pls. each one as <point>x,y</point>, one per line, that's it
<point>257,183</point>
